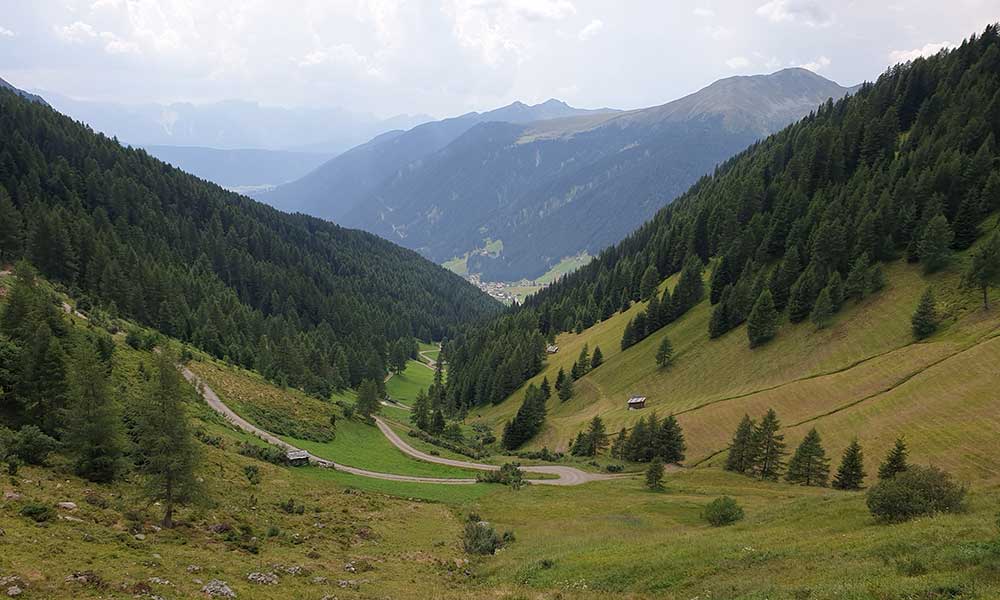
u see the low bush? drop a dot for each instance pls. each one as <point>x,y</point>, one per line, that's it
<point>614,468</point>
<point>509,474</point>
<point>481,538</point>
<point>271,454</point>
<point>38,512</point>
<point>722,511</point>
<point>29,445</point>
<point>915,492</point>
<point>448,445</point>
<point>543,454</point>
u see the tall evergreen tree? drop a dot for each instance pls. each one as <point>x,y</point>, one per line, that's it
<point>670,441</point>
<point>809,464</point>
<point>618,446</point>
<point>560,379</point>
<point>742,450</point>
<point>566,390</point>
<point>770,448</point>
<point>93,427</point>
<point>654,474</point>
<point>895,461</point>
<point>983,271</point>
<point>650,279</point>
<point>163,437</point>
<point>597,359</point>
<point>822,312</point>
<point>545,388</point>
<point>596,436</point>
<point>856,287</point>
<point>665,353</point>
<point>420,415</point>
<point>10,230</point>
<point>925,319</point>
<point>933,248</point>
<point>762,324</point>
<point>367,403</point>
<point>851,473</point>
<point>583,361</point>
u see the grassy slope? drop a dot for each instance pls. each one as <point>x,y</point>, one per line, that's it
<point>864,369</point>
<point>403,387</point>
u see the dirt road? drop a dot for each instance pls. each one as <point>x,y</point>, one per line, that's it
<point>565,475</point>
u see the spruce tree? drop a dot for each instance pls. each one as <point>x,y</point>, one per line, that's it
<point>583,361</point>
<point>835,287</point>
<point>94,429</point>
<point>164,441</point>
<point>769,448</point>
<point>367,403</point>
<point>596,436</point>
<point>566,390</point>
<point>654,474</point>
<point>851,473</point>
<point>800,297</point>
<point>545,388</point>
<point>856,286</point>
<point>671,446</point>
<point>895,461</point>
<point>966,225</point>
<point>809,464</point>
<point>933,248</point>
<point>628,336</point>
<point>11,234</point>
<point>983,271</point>
<point>822,312</point>
<point>618,446</point>
<point>742,451</point>
<point>650,279</point>
<point>437,422</point>
<point>763,321</point>
<point>925,319</point>
<point>665,353</point>
<point>597,358</point>
<point>420,415</point>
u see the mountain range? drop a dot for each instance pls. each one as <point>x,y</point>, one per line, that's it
<point>548,184</point>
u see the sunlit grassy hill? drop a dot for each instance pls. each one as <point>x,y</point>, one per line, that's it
<point>863,376</point>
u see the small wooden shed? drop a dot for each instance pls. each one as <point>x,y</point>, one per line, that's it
<point>297,458</point>
<point>552,349</point>
<point>637,402</point>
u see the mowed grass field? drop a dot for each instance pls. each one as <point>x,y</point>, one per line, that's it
<point>403,387</point>
<point>863,376</point>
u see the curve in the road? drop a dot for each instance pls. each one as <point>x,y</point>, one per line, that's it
<point>565,475</point>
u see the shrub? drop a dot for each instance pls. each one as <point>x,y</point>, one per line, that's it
<point>32,445</point>
<point>38,512</point>
<point>543,454</point>
<point>722,511</point>
<point>291,507</point>
<point>509,474</point>
<point>614,468</point>
<point>914,492</point>
<point>269,454</point>
<point>481,538</point>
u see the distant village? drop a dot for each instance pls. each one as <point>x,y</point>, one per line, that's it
<point>499,290</point>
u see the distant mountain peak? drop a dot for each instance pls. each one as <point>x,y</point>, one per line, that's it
<point>22,93</point>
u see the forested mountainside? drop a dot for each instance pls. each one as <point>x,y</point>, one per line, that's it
<point>33,97</point>
<point>553,189</point>
<point>301,300</point>
<point>905,167</point>
<point>338,186</point>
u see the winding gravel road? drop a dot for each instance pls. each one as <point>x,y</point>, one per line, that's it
<point>565,475</point>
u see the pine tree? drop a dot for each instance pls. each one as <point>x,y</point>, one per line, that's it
<point>763,321</point>
<point>851,473</point>
<point>168,454</point>
<point>895,461</point>
<point>597,359</point>
<point>545,388</point>
<point>665,353</point>
<point>94,429</point>
<point>742,452</point>
<point>933,248</point>
<point>367,403</point>
<point>925,318</point>
<point>770,447</point>
<point>628,336</point>
<point>560,379</point>
<point>437,425</point>
<point>983,271</point>
<point>800,297</point>
<point>650,279</point>
<point>654,474</point>
<point>10,230</point>
<point>618,447</point>
<point>822,312</point>
<point>966,223</point>
<point>670,443</point>
<point>566,390</point>
<point>856,287</point>
<point>596,436</point>
<point>420,415</point>
<point>835,287</point>
<point>583,361</point>
<point>809,464</point>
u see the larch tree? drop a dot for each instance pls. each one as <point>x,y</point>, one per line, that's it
<point>93,426</point>
<point>665,353</point>
<point>163,437</point>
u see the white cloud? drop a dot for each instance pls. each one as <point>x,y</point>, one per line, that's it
<point>592,29</point>
<point>738,62</point>
<point>809,12</point>
<point>76,33</point>
<point>546,10</point>
<point>718,32</point>
<point>817,65</point>
<point>930,49</point>
<point>6,32</point>
<point>706,13</point>
<point>115,45</point>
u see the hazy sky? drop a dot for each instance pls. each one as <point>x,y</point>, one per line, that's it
<point>445,57</point>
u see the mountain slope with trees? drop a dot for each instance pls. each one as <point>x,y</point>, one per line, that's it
<point>554,189</point>
<point>301,300</point>
<point>905,169</point>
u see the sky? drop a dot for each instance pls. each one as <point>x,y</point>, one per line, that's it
<point>447,57</point>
